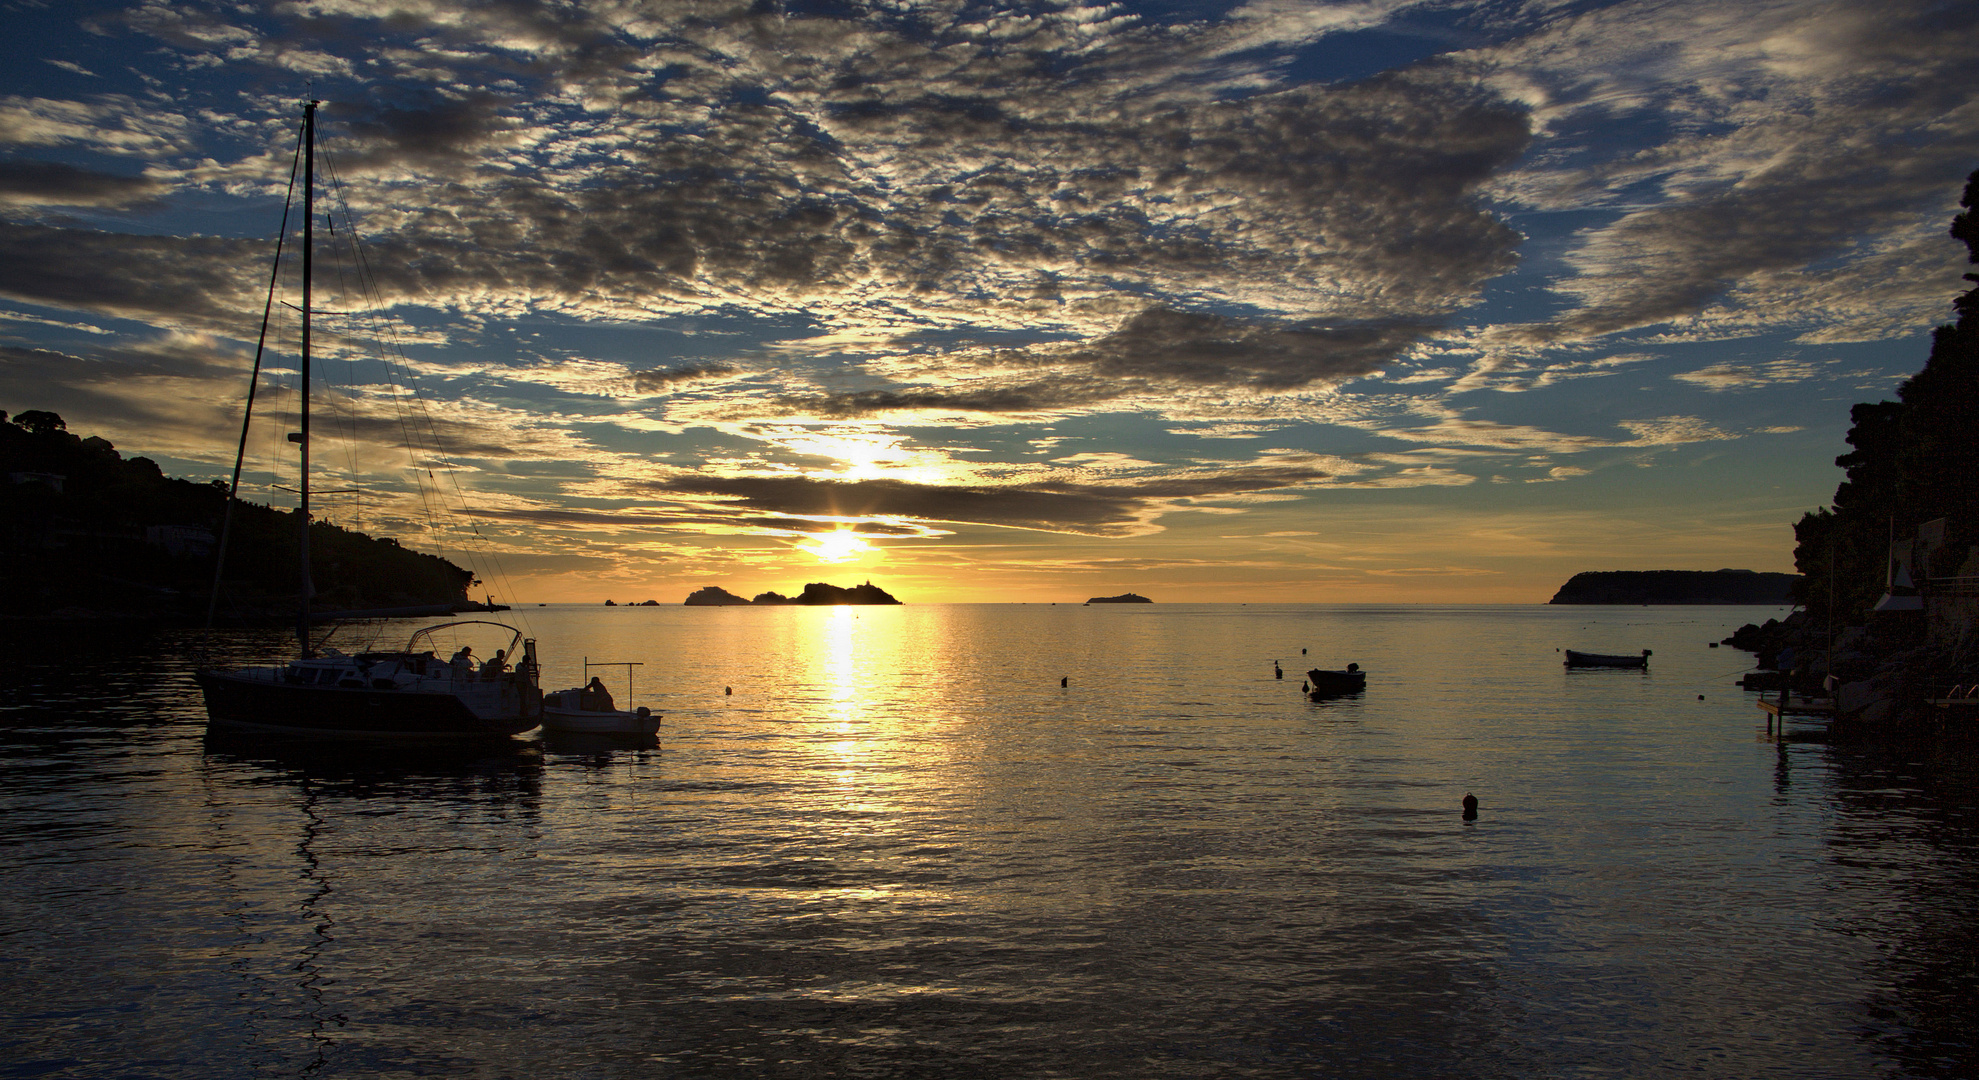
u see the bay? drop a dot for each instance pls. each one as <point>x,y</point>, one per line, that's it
<point>888,842</point>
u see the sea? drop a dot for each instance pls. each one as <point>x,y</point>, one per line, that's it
<point>1002,840</point>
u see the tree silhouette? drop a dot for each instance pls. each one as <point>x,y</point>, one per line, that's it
<point>1915,460</point>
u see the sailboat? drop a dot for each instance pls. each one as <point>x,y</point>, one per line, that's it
<point>405,692</point>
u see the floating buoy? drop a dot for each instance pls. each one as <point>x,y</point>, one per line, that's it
<point>1302,652</point>
<point>1470,807</point>
<point>1065,680</point>
<point>729,690</point>
<point>1276,671</point>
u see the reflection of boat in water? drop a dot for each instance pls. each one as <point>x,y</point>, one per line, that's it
<point>416,770</point>
<point>1329,684</point>
<point>408,692</point>
<point>1590,659</point>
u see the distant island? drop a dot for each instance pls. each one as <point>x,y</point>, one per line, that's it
<point>816,593</point>
<point>1123,598</point>
<point>1677,587</point>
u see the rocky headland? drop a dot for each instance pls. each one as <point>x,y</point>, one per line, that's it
<point>1677,587</point>
<point>1123,598</point>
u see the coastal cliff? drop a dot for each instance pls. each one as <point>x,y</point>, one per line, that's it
<point>1677,587</point>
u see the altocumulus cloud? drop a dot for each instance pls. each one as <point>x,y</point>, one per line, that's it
<point>998,216</point>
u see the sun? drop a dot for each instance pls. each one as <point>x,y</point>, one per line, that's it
<point>839,546</point>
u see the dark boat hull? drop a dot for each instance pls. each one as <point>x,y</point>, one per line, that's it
<point>1583,659</point>
<point>257,704</point>
<point>1329,684</point>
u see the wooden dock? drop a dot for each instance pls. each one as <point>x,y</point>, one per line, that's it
<point>1801,707</point>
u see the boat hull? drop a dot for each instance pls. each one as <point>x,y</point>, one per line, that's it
<point>1330,684</point>
<point>1605,660</point>
<point>600,723</point>
<point>244,702</point>
<point>564,711</point>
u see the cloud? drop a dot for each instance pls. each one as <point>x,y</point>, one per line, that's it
<point>106,123</point>
<point>863,172</point>
<point>1118,508</point>
<point>424,128</point>
<point>1148,356</point>
<point>1673,431</point>
<point>1729,376</point>
<point>666,380</point>
<point>48,183</point>
<point>1497,436</point>
<point>1777,156</point>
<point>167,279</point>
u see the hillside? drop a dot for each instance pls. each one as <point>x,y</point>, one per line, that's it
<point>85,530</point>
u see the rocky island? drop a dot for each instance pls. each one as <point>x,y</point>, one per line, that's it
<point>1123,598</point>
<point>816,593</point>
<point>1677,587</point>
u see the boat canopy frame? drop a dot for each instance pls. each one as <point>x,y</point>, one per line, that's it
<point>412,643</point>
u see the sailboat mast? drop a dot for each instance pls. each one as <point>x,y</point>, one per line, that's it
<point>302,483</point>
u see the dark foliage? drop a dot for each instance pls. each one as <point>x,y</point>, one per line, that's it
<point>83,527</point>
<point>1915,460</point>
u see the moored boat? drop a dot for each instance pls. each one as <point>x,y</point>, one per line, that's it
<point>405,693</point>
<point>589,708</point>
<point>1323,683</point>
<point>408,692</point>
<point>569,710</point>
<point>1608,660</point>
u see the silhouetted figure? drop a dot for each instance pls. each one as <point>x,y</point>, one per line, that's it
<point>596,698</point>
<point>463,662</point>
<point>1305,687</point>
<point>1470,807</point>
<point>728,690</point>
<point>493,669</point>
<point>1065,680</point>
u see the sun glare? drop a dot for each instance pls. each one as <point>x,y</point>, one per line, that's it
<point>837,547</point>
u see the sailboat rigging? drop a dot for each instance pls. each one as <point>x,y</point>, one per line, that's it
<point>400,692</point>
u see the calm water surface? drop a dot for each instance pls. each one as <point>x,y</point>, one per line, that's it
<point>901,848</point>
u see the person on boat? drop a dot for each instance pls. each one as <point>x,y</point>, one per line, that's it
<point>463,662</point>
<point>596,698</point>
<point>493,669</point>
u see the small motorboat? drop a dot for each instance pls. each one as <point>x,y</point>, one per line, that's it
<point>1329,684</point>
<point>577,710</point>
<point>1595,659</point>
<point>590,709</point>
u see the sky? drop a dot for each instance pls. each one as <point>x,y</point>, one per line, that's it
<point>1266,301</point>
